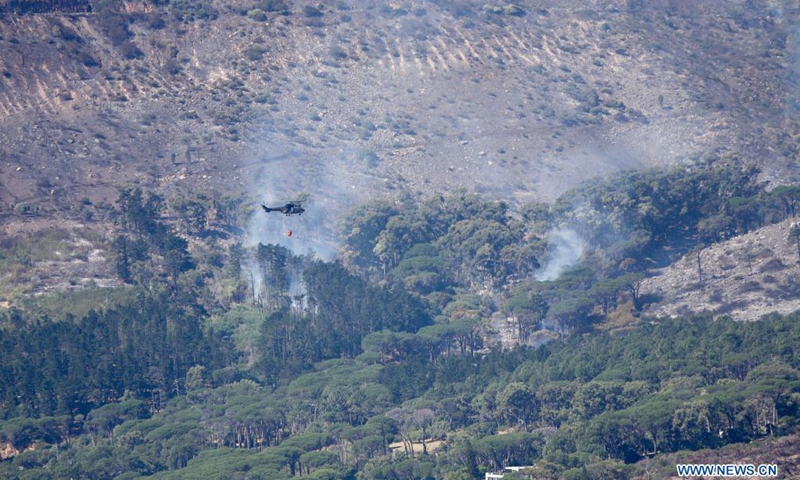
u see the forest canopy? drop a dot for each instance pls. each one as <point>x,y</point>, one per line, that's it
<point>259,363</point>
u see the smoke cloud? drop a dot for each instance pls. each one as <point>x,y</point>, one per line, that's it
<point>310,234</point>
<point>566,248</point>
<point>327,184</point>
<point>326,187</point>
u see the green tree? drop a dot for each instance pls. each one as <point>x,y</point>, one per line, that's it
<point>316,460</point>
<point>528,309</point>
<point>196,378</point>
<point>519,403</point>
<point>789,197</point>
<point>361,229</point>
<point>273,263</point>
<point>632,282</point>
<point>605,292</point>
<point>571,311</point>
<point>794,233</point>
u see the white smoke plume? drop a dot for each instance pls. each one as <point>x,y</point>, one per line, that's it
<point>310,231</point>
<point>566,248</point>
<point>326,187</point>
<point>305,234</point>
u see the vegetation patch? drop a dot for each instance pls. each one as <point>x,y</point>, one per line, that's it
<point>512,10</point>
<point>20,257</point>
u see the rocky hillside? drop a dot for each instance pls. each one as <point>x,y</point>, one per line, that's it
<point>746,277</point>
<point>781,451</point>
<point>359,98</point>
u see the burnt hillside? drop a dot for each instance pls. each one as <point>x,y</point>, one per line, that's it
<point>27,7</point>
<point>357,100</point>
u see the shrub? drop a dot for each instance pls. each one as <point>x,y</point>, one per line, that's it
<point>751,286</point>
<point>172,67</point>
<point>130,51</point>
<point>254,54</point>
<point>311,11</point>
<point>157,22</point>
<point>773,265</point>
<point>338,52</point>
<point>274,6</point>
<point>514,11</point>
<point>257,14</point>
<point>87,60</point>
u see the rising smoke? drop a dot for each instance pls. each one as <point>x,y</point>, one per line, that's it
<point>566,248</point>
<point>309,234</point>
<point>326,187</point>
<point>326,190</point>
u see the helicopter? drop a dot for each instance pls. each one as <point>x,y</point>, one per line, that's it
<point>291,208</point>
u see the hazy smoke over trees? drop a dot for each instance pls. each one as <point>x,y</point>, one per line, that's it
<point>566,248</point>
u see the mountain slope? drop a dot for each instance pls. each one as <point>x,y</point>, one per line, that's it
<point>745,277</point>
<point>360,100</point>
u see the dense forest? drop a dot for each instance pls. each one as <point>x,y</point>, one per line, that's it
<point>256,363</point>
